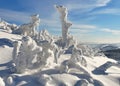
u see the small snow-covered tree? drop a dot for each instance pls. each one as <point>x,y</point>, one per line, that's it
<point>29,29</point>
<point>47,55</point>
<point>44,35</point>
<point>77,56</point>
<point>76,61</point>
<point>27,52</point>
<point>35,20</point>
<point>87,50</point>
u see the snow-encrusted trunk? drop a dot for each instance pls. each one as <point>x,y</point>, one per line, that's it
<point>35,21</point>
<point>16,45</point>
<point>65,23</point>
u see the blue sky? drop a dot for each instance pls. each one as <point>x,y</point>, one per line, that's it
<point>93,20</point>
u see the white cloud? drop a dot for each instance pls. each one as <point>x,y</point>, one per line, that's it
<point>102,2</point>
<point>113,11</point>
<point>11,15</point>
<point>51,23</point>
<point>87,5</point>
<point>83,26</point>
<point>57,24</point>
<point>115,32</point>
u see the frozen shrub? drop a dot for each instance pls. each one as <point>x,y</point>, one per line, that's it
<point>27,52</point>
<point>77,56</point>
<point>86,50</point>
<point>30,28</point>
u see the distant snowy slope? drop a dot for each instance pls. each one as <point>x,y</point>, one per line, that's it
<point>108,47</point>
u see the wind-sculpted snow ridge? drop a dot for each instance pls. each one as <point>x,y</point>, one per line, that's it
<point>38,59</point>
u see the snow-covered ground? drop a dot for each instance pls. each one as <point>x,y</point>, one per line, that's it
<point>51,76</point>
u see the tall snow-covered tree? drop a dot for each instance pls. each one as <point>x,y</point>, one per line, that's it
<point>65,23</point>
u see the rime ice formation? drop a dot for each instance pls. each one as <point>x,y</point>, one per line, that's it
<point>27,52</point>
<point>86,50</point>
<point>76,61</point>
<point>35,20</point>
<point>47,56</point>
<point>16,46</point>
<point>42,50</point>
<point>30,28</point>
<point>44,35</point>
<point>65,23</point>
<point>77,56</point>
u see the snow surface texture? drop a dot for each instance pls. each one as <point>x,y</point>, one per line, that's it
<point>38,60</point>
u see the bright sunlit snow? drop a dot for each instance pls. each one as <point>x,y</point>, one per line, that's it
<point>29,57</point>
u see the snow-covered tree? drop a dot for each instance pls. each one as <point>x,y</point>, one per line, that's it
<point>30,28</point>
<point>27,53</point>
<point>76,61</point>
<point>65,23</point>
<point>47,55</point>
<point>77,56</point>
<point>44,35</point>
<point>87,50</point>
